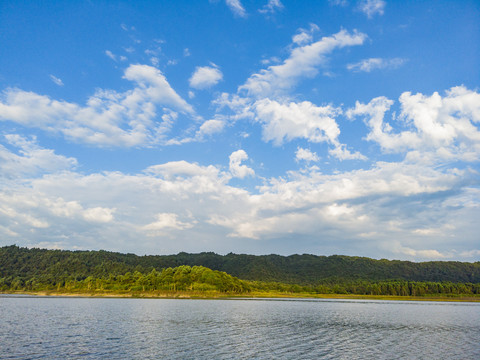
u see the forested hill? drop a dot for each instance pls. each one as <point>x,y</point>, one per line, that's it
<point>16,262</point>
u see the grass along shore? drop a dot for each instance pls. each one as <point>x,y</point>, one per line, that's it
<point>222,295</point>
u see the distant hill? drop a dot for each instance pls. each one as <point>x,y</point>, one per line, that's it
<point>59,265</point>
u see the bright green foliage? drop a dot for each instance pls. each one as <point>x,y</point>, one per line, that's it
<point>181,278</point>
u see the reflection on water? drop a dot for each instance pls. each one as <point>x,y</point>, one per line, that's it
<point>99,328</point>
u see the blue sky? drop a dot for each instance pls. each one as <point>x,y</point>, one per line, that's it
<point>273,126</point>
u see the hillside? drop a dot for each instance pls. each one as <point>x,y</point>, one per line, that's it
<point>61,265</point>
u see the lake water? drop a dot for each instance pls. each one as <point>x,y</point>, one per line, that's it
<point>103,328</point>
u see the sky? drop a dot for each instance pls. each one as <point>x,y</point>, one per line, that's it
<point>258,127</point>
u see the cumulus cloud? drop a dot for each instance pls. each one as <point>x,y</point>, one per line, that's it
<point>372,7</point>
<point>423,254</point>
<point>110,209</point>
<point>238,170</point>
<point>367,65</point>
<point>210,127</point>
<point>302,38</point>
<point>302,62</point>
<point>357,202</point>
<point>305,155</point>
<point>236,7</point>
<point>155,87</point>
<point>205,77</point>
<point>31,211</point>
<point>341,152</point>
<point>31,159</point>
<point>438,128</point>
<point>167,221</point>
<point>98,214</point>
<point>286,122</point>
<point>79,208</point>
<point>109,118</point>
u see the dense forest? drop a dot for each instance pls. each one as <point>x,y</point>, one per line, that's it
<point>90,271</point>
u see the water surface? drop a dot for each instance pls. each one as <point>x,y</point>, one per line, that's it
<point>105,328</point>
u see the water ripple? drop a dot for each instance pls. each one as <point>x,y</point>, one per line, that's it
<point>55,328</point>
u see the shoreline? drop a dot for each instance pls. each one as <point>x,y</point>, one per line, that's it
<point>225,296</point>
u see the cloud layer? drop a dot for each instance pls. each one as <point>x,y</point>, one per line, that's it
<point>252,162</point>
<point>354,207</point>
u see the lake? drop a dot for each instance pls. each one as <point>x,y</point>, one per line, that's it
<point>116,328</point>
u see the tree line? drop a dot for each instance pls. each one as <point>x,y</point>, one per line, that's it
<point>41,269</point>
<point>199,279</point>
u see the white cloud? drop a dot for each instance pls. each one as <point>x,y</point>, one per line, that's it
<point>35,210</point>
<point>31,159</point>
<point>470,253</point>
<point>350,202</point>
<point>305,155</point>
<point>305,36</point>
<point>205,77</point>
<point>273,59</point>
<point>237,170</point>
<point>56,80</point>
<point>271,7</point>
<point>98,214</point>
<point>423,254</point>
<point>183,169</point>
<point>302,38</point>
<point>368,65</point>
<point>207,129</point>
<point>155,61</point>
<point>167,221</point>
<point>341,152</point>
<point>241,106</point>
<point>372,7</point>
<point>12,210</point>
<point>108,119</point>
<point>109,209</point>
<point>236,7</point>
<point>438,129</point>
<point>285,122</point>
<point>155,87</point>
<point>211,127</point>
<point>110,55</point>
<point>303,62</point>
